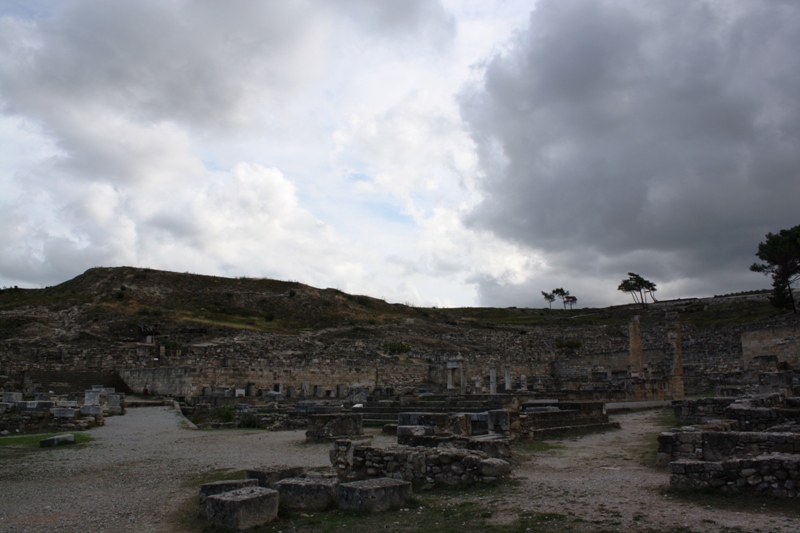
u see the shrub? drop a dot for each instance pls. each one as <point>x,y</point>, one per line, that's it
<point>225,413</point>
<point>572,344</point>
<point>396,347</point>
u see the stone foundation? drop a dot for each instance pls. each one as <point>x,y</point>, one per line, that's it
<point>424,467</point>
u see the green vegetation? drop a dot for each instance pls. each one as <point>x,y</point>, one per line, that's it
<point>442,511</point>
<point>396,347</point>
<point>780,254</point>
<point>14,446</point>
<point>569,344</point>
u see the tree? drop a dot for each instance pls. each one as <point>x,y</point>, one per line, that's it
<point>570,300</point>
<point>780,254</point>
<point>637,285</point>
<point>549,297</point>
<point>561,293</point>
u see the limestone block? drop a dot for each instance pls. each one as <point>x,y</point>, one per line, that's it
<point>308,494</point>
<point>269,476</point>
<point>494,467</point>
<point>374,495</point>
<point>58,440</point>
<point>92,410</point>
<point>63,412</point>
<point>12,397</point>
<point>415,431</point>
<point>219,487</point>
<point>243,508</point>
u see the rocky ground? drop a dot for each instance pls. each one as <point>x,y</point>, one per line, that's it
<point>141,470</point>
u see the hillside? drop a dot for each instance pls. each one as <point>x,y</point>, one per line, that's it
<point>127,304</point>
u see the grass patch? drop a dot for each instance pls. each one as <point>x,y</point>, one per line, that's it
<point>537,446</point>
<point>218,474</point>
<point>445,511</point>
<point>15,446</point>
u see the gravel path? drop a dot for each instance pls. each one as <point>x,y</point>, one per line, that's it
<point>142,468</point>
<point>600,480</point>
<point>135,473</point>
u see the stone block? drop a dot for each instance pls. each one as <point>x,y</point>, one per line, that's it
<point>494,467</point>
<point>415,431</point>
<point>63,412</point>
<point>12,397</point>
<point>92,410</point>
<point>374,495</point>
<point>268,477</point>
<point>332,426</point>
<point>308,494</point>
<point>58,440</point>
<point>4,406</point>
<point>243,508</point>
<point>219,487</point>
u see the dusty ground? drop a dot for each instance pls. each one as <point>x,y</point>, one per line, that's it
<point>141,469</point>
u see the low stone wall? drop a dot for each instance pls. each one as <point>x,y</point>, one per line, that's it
<point>331,427</point>
<point>424,467</point>
<point>700,410</point>
<point>756,413</point>
<point>30,417</point>
<point>770,475</point>
<point>722,445</point>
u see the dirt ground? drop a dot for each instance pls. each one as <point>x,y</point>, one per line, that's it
<point>141,469</point>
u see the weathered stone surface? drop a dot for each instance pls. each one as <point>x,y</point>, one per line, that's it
<point>58,440</point>
<point>494,467</point>
<point>308,494</point>
<point>374,495</point>
<point>243,508</point>
<point>322,427</point>
<point>267,477</point>
<point>219,487</point>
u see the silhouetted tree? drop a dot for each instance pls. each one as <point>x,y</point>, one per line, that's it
<point>780,254</point>
<point>549,297</point>
<point>637,285</point>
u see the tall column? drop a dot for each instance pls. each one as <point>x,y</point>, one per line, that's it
<point>492,380</point>
<point>508,378</point>
<point>635,340</point>
<point>676,351</point>
<point>462,379</point>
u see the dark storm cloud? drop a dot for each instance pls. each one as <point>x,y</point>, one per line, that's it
<point>620,133</point>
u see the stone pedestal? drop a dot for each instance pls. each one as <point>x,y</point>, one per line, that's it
<point>374,495</point>
<point>243,508</point>
<point>308,494</point>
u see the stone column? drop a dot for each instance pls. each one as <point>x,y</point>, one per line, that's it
<point>675,351</point>
<point>462,379</point>
<point>635,340</point>
<point>523,382</point>
<point>508,378</point>
<point>492,380</point>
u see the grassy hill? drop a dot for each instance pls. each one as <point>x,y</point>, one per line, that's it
<point>113,304</point>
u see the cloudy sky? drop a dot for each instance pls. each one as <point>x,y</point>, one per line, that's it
<point>449,153</point>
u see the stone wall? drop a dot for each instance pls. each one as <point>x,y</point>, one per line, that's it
<point>159,381</point>
<point>722,445</point>
<point>781,342</point>
<point>770,475</point>
<point>424,467</point>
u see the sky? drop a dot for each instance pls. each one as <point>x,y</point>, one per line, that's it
<point>435,153</point>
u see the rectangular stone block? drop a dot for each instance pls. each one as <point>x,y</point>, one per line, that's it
<point>63,412</point>
<point>243,508</point>
<point>58,440</point>
<point>91,410</point>
<point>374,495</point>
<point>268,477</point>
<point>307,494</point>
<point>12,397</point>
<point>219,487</point>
